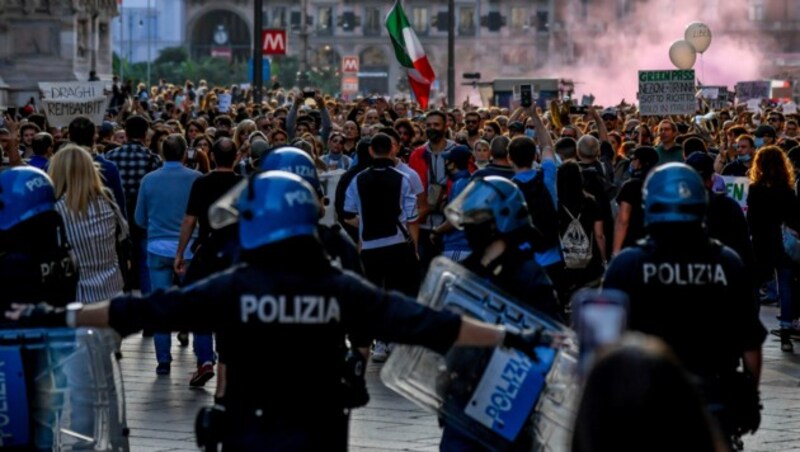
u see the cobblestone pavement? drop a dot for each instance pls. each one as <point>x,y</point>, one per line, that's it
<point>161,409</point>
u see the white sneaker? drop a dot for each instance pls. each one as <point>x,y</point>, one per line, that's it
<point>379,353</point>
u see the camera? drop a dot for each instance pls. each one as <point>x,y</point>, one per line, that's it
<point>578,110</point>
<point>309,93</point>
<point>526,95</point>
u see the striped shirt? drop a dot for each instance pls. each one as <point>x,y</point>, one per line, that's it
<point>93,239</point>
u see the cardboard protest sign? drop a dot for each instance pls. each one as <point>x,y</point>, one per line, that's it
<point>65,101</point>
<point>225,101</point>
<point>329,181</point>
<point>738,188</point>
<point>664,93</point>
<point>753,90</point>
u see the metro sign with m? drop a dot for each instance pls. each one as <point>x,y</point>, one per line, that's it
<point>273,42</point>
<point>350,64</point>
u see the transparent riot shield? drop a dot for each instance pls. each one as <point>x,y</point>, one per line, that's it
<point>63,390</point>
<point>498,397</point>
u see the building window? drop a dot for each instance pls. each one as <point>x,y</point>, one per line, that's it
<point>325,20</point>
<point>420,20</point>
<point>295,20</point>
<point>757,10</point>
<point>278,17</point>
<point>372,21</point>
<point>466,21</point>
<point>519,18</point>
<point>542,21</point>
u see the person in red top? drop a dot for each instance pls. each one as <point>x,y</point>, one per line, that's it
<point>428,162</point>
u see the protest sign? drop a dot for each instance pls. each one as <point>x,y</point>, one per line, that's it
<point>737,189</point>
<point>753,90</point>
<point>667,93</point>
<point>329,181</point>
<point>225,102</point>
<point>65,101</point>
<point>789,108</point>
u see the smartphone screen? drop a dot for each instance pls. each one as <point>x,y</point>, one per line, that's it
<point>600,319</point>
<point>526,95</point>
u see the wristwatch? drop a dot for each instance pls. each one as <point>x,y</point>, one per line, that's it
<point>72,313</point>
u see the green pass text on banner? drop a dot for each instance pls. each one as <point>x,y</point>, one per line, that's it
<point>664,93</point>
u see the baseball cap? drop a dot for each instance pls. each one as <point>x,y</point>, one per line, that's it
<point>516,126</point>
<point>702,163</point>
<point>609,113</point>
<point>459,155</point>
<point>765,130</point>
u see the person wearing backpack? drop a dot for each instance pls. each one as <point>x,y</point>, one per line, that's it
<point>581,232</point>
<point>595,182</point>
<point>537,182</point>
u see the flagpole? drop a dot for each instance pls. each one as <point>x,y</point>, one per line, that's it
<point>258,52</point>
<point>451,53</point>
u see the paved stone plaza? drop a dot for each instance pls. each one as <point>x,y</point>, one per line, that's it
<point>161,410</point>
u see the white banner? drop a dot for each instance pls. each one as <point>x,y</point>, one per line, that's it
<point>329,181</point>
<point>738,188</point>
<point>663,93</point>
<point>65,101</point>
<point>225,101</point>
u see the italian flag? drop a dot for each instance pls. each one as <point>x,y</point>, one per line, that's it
<point>410,54</point>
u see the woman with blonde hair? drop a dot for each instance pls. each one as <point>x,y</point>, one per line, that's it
<point>772,204</point>
<point>93,222</point>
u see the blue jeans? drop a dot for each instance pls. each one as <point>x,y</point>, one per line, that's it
<point>785,295</point>
<point>161,277</point>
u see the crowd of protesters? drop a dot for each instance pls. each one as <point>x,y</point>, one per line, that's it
<point>167,152</point>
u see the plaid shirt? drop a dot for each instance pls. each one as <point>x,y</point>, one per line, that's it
<point>133,161</point>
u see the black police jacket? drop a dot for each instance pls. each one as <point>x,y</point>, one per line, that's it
<point>288,315</point>
<point>693,293</point>
<point>36,263</point>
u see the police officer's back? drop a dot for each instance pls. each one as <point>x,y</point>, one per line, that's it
<point>35,260</point>
<point>688,289</point>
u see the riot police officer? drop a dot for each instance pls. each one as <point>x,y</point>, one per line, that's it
<point>338,246</point>
<point>286,297</point>
<point>494,216</point>
<point>691,291</point>
<point>35,258</point>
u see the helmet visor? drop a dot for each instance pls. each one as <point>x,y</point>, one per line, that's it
<point>224,212</point>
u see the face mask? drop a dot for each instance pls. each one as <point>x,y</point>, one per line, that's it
<point>530,133</point>
<point>744,158</point>
<point>479,236</point>
<point>759,142</point>
<point>433,135</point>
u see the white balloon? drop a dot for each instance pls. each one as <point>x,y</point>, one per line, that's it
<point>682,54</point>
<point>698,35</point>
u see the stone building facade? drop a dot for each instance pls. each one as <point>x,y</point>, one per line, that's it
<point>52,40</point>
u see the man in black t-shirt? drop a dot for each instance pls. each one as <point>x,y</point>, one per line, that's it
<point>205,191</point>
<point>629,225</point>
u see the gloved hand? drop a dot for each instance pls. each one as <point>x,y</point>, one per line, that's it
<point>37,315</point>
<point>526,341</point>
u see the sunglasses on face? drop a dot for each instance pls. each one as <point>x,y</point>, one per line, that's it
<point>773,120</point>
<point>472,121</point>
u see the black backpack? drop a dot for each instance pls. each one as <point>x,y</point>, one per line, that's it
<point>542,210</point>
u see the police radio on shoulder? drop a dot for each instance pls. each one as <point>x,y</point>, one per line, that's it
<point>72,314</point>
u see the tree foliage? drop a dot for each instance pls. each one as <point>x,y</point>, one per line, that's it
<point>176,66</point>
